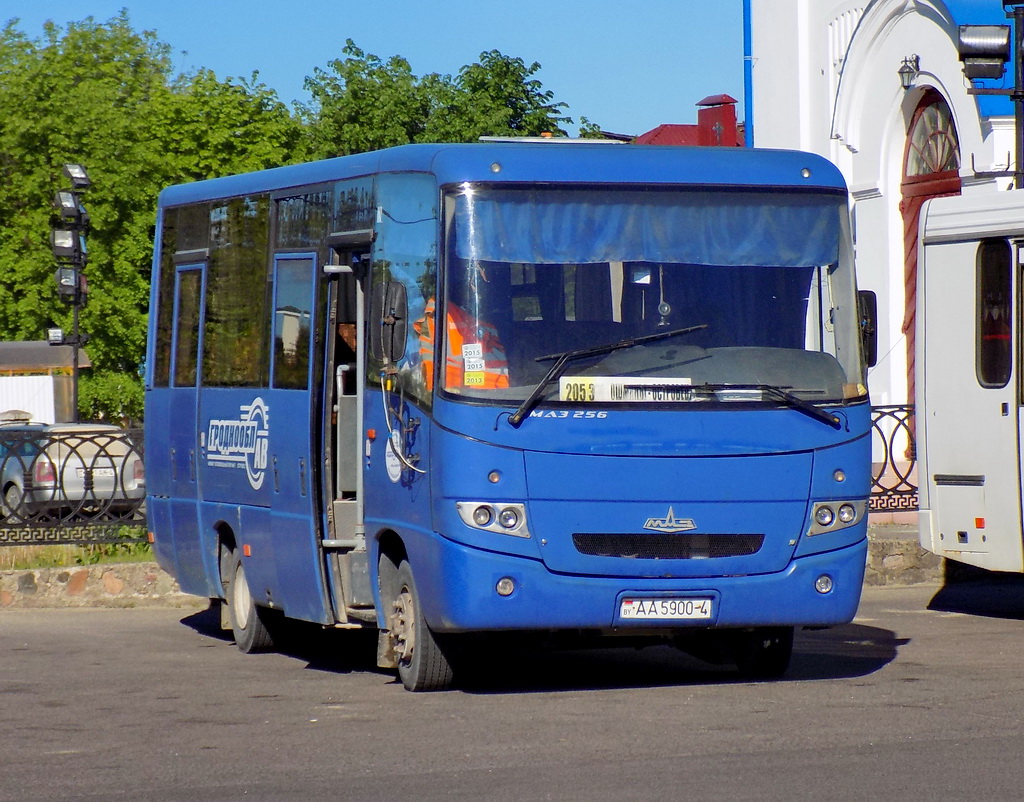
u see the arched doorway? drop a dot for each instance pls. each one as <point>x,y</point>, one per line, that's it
<point>931,168</point>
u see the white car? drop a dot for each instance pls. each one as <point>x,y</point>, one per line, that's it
<point>67,471</point>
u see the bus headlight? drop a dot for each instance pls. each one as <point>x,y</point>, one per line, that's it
<point>502,517</point>
<point>831,516</point>
<point>509,517</point>
<point>483,516</point>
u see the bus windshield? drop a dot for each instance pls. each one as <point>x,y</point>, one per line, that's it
<point>688,288</point>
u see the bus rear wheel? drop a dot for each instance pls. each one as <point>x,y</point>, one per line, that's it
<point>422,665</point>
<point>248,620</point>
<point>763,653</point>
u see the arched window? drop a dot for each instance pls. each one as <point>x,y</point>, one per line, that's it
<point>932,144</point>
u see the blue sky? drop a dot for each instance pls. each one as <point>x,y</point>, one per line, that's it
<point>626,66</point>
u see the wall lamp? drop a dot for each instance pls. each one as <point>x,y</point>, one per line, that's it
<point>909,70</point>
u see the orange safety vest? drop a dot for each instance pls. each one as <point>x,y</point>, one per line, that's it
<point>475,356</point>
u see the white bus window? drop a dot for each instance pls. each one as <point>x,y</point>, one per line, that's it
<point>993,328</point>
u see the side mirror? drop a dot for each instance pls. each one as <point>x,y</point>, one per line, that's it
<point>867,312</point>
<point>389,321</point>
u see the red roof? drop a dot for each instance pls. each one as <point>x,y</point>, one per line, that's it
<point>716,100</point>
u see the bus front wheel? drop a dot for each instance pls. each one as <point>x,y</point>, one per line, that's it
<point>422,665</point>
<point>248,623</point>
<point>763,653</point>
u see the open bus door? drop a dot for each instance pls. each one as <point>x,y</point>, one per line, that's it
<point>969,404</point>
<point>345,543</point>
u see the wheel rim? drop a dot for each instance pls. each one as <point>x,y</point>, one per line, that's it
<point>12,500</point>
<point>240,597</point>
<point>403,625</point>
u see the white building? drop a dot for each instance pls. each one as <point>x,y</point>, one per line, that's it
<point>823,76</point>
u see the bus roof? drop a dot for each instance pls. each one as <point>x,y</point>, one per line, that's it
<point>966,218</point>
<point>538,162</point>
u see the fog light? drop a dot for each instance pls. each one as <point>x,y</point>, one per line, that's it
<point>483,515</point>
<point>509,518</point>
<point>506,586</point>
<point>823,584</point>
<point>847,514</point>
<point>823,516</point>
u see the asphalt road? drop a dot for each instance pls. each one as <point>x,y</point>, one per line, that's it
<point>920,698</point>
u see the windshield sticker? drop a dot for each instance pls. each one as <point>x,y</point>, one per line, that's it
<point>473,367</point>
<point>585,389</point>
<point>241,443</point>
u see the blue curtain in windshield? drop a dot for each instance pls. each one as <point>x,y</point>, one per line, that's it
<point>704,228</point>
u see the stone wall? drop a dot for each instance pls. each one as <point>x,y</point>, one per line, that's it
<point>111,585</point>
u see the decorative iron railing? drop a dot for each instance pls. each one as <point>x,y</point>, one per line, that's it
<point>88,486</point>
<point>894,468</point>
<point>70,483</point>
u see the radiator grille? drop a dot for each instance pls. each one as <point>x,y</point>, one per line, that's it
<point>667,547</point>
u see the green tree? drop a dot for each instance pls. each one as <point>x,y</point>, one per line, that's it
<point>363,103</point>
<point>496,96</point>
<point>102,95</point>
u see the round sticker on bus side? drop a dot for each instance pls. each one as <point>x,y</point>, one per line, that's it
<point>391,456</point>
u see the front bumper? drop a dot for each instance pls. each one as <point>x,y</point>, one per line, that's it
<point>459,592</point>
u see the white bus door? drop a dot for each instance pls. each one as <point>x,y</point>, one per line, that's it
<point>969,413</point>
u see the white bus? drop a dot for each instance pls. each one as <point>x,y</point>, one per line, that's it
<point>970,386</point>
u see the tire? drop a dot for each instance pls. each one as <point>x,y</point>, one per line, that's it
<point>10,508</point>
<point>248,620</point>
<point>764,653</point>
<point>422,665</point>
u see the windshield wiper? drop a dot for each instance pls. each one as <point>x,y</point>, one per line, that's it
<point>780,394</point>
<point>565,357</point>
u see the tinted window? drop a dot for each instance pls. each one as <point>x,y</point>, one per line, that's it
<point>292,313</point>
<point>165,301</point>
<point>184,236</point>
<point>994,331</point>
<point>186,342</point>
<point>236,350</point>
<point>303,220</point>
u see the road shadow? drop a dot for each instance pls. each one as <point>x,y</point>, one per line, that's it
<point>975,591</point>
<point>848,651</point>
<point>507,663</point>
<point>333,650</point>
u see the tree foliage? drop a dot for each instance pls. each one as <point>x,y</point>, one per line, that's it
<point>104,95</point>
<point>363,103</point>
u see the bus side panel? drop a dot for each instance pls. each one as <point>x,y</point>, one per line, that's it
<point>251,528</point>
<point>300,588</point>
<point>158,518</point>
<point>193,571</point>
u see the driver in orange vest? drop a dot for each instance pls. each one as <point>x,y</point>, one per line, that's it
<point>475,356</point>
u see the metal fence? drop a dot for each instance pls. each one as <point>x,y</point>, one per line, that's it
<point>71,483</point>
<point>894,465</point>
<point>80,486</point>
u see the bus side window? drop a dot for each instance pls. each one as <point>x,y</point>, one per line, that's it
<point>993,325</point>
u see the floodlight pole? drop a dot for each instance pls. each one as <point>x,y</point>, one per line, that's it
<point>1018,94</point>
<point>74,356</point>
<point>72,257</point>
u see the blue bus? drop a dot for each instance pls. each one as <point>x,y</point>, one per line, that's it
<point>560,388</point>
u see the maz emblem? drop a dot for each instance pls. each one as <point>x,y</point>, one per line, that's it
<point>670,523</point>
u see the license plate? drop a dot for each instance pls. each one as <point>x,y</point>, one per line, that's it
<point>665,609</point>
<point>106,472</point>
